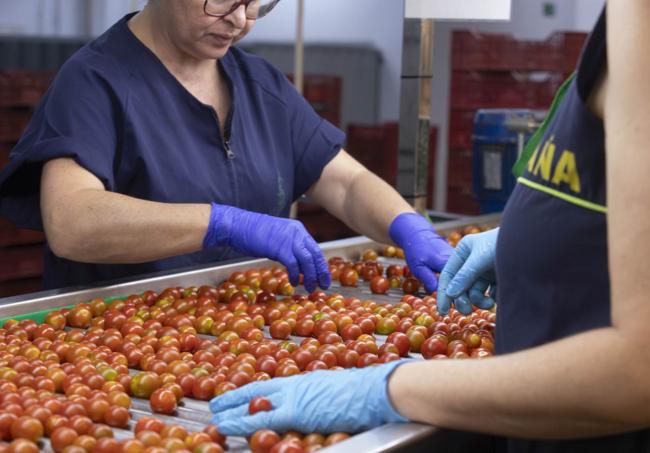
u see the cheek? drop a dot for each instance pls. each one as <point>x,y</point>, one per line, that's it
<point>247,28</point>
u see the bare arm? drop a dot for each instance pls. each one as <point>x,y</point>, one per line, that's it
<point>596,382</point>
<point>83,222</point>
<point>361,199</point>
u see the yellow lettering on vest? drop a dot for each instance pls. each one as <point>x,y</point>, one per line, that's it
<point>545,160</point>
<point>566,171</point>
<point>533,158</point>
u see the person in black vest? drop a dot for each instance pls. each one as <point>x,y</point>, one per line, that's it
<point>573,284</point>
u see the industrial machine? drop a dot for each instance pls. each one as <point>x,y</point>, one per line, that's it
<point>498,140</point>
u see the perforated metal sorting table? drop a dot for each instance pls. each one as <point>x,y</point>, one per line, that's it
<point>194,414</point>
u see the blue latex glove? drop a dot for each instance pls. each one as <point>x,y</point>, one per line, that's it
<point>469,273</point>
<point>279,239</point>
<point>320,401</point>
<point>425,251</point>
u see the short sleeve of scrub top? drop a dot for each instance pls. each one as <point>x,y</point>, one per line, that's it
<point>75,119</point>
<point>124,117</point>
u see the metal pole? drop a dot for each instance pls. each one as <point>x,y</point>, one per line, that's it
<point>299,56</point>
<point>298,67</point>
<point>415,109</point>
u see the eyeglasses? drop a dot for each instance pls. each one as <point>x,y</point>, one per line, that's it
<point>255,9</point>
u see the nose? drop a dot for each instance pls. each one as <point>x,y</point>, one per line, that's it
<point>238,17</point>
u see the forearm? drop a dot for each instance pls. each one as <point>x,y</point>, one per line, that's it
<point>370,205</point>
<point>586,385</point>
<point>105,227</point>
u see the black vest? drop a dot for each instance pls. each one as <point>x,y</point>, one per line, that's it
<point>552,266</point>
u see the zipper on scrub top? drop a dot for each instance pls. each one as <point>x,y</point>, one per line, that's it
<point>226,144</point>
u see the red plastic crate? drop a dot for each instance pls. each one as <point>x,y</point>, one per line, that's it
<point>20,88</point>
<point>461,128</point>
<point>13,122</point>
<point>433,147</point>
<point>567,49</point>
<point>499,52</point>
<point>376,148</point>
<point>462,201</point>
<point>11,235</point>
<point>322,225</point>
<point>459,168</point>
<point>21,286</point>
<point>21,262</point>
<point>324,94</point>
<point>5,149</point>
<point>494,51</point>
<point>476,90</point>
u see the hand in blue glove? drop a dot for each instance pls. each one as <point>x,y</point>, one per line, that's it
<point>279,239</point>
<point>320,401</point>
<point>425,251</point>
<point>469,273</point>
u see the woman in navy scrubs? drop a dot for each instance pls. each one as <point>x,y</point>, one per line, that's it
<point>573,287</point>
<point>159,145</point>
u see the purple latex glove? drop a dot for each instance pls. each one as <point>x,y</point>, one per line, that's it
<point>426,252</point>
<point>276,238</point>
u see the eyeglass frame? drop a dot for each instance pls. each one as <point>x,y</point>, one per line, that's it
<point>263,10</point>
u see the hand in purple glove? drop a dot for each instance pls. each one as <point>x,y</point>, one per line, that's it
<point>279,239</point>
<point>426,252</point>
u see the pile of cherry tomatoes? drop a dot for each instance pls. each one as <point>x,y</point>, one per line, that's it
<point>72,378</point>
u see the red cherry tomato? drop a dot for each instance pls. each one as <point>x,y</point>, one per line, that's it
<point>163,401</point>
<point>263,441</point>
<point>259,404</point>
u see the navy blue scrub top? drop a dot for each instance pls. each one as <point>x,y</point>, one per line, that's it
<point>121,115</point>
<point>552,255</point>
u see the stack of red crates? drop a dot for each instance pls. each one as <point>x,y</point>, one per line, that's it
<point>324,94</point>
<point>376,147</point>
<point>498,71</point>
<point>21,251</point>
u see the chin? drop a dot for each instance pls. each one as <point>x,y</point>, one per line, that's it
<point>213,53</point>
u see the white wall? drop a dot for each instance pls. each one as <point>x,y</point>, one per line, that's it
<point>586,13</point>
<point>61,17</point>
<point>374,22</point>
<point>40,17</point>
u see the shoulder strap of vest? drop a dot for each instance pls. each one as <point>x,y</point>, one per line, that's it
<point>532,144</point>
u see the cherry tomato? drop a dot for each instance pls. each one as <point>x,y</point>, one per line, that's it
<point>335,438</point>
<point>280,329</point>
<point>62,437</point>
<point>287,446</point>
<point>149,424</point>
<point>349,277</point>
<point>263,441</point>
<point>27,427</point>
<point>149,438</point>
<point>163,401</point>
<point>23,446</point>
<point>208,447</point>
<point>117,416</point>
<point>215,435</point>
<point>433,346</point>
<point>259,404</point>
